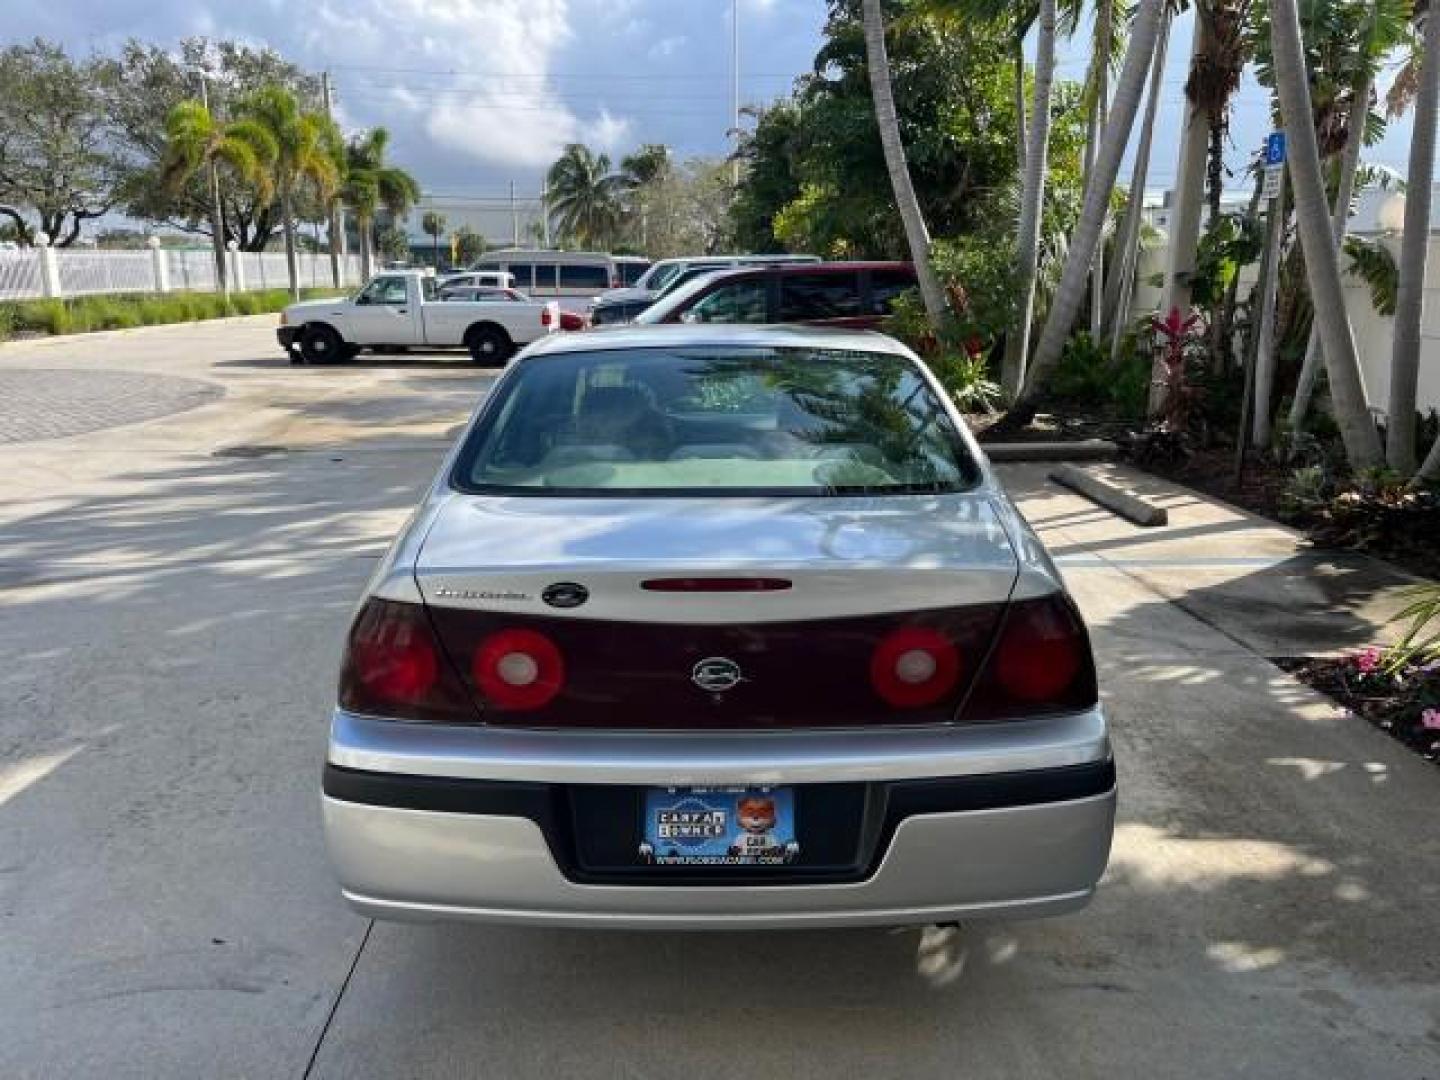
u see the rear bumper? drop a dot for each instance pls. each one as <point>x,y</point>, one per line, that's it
<point>950,841</point>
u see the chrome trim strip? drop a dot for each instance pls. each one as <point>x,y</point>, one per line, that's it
<point>728,757</point>
<point>1029,908</point>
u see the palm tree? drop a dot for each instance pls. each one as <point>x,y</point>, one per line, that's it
<point>1129,88</point>
<point>1313,219</point>
<point>195,140</point>
<point>434,226</point>
<point>1032,201</point>
<point>1381,32</point>
<point>308,153</point>
<point>585,196</point>
<point>917,235</point>
<point>1119,288</point>
<point>371,184</point>
<point>1410,300</point>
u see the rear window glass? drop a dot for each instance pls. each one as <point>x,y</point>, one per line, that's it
<point>714,421</point>
<point>632,272</point>
<point>886,285</point>
<point>522,272</point>
<point>584,277</point>
<point>805,297</point>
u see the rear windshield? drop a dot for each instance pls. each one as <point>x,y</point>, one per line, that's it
<point>716,421</point>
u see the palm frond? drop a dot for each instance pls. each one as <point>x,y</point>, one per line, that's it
<point>1372,262</point>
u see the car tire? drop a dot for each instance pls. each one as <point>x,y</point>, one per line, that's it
<point>489,345</point>
<point>321,345</point>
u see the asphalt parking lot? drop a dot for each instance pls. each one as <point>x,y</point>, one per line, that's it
<point>178,560</point>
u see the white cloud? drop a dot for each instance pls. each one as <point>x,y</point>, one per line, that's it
<point>473,75</point>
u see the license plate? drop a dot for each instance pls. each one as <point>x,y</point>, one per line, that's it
<point>736,826</point>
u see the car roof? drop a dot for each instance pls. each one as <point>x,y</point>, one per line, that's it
<point>682,335</point>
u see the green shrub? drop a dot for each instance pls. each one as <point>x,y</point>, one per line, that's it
<point>968,379</point>
<point>125,310</point>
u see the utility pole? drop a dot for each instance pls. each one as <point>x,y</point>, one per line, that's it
<point>735,90</point>
<point>514,219</point>
<point>217,213</point>
<point>337,216</point>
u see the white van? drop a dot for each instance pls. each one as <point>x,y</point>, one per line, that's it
<point>571,277</point>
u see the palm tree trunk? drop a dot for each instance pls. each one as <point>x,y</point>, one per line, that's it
<point>1103,18</point>
<point>217,229</point>
<point>364,227</point>
<point>1128,91</point>
<point>1120,287</point>
<point>1344,192</point>
<point>1032,202</point>
<point>1317,240</point>
<point>1414,246</point>
<point>336,234</point>
<point>916,234</point>
<point>1019,63</point>
<point>292,264</point>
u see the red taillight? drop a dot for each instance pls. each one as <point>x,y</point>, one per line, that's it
<point>394,667</point>
<point>716,584</point>
<point>545,316</point>
<point>1041,662</point>
<point>914,666</point>
<point>518,670</point>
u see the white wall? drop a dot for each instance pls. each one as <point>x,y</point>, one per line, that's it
<point>1373,333</point>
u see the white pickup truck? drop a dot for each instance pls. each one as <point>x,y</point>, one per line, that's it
<point>401,308</point>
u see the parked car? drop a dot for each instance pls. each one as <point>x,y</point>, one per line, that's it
<point>571,278</point>
<point>663,273</point>
<point>492,279</point>
<point>854,295</point>
<point>473,293</point>
<point>717,627</point>
<point>404,309</point>
<point>625,305</point>
<point>616,312</point>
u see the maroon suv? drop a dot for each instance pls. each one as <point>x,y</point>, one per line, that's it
<point>854,295</point>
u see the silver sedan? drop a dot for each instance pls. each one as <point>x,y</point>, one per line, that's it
<point>718,627</point>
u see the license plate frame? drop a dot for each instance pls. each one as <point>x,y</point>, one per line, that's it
<point>740,827</point>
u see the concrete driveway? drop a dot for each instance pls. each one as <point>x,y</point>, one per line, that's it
<point>170,621</point>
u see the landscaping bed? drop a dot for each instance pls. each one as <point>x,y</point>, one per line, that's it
<point>1380,519</point>
<point>121,311</point>
<point>1403,702</point>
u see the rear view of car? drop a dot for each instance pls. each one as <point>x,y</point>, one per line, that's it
<point>718,627</point>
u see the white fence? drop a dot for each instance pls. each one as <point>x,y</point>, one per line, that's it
<point>55,272</point>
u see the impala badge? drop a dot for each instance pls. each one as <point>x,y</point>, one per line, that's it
<point>717,674</point>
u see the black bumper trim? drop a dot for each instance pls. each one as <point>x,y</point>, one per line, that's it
<point>509,798</point>
<point>592,829</point>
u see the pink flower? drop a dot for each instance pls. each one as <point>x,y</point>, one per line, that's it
<point>1430,719</point>
<point>1367,661</point>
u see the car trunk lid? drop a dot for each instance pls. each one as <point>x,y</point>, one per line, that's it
<point>791,599</point>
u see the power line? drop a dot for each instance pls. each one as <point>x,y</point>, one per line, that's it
<point>477,73</point>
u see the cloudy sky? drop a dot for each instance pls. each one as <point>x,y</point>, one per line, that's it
<point>477,93</point>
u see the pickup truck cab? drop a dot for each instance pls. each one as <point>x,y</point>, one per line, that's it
<point>402,308</point>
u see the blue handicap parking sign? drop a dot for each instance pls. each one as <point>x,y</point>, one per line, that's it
<point>1275,148</point>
